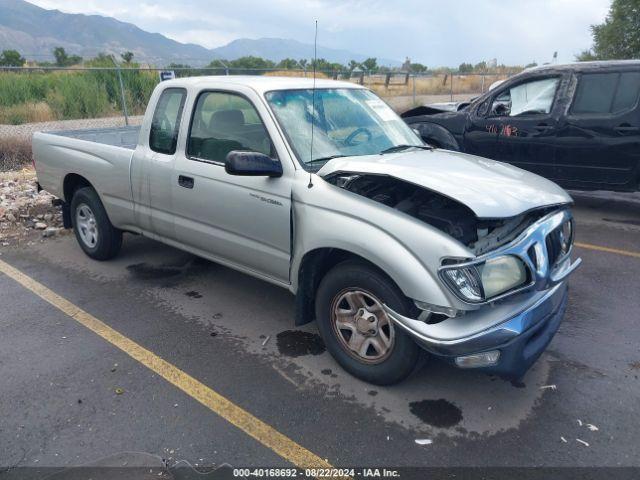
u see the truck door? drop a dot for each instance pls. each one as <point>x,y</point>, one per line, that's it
<point>525,117</point>
<point>153,163</point>
<point>240,220</point>
<point>599,142</point>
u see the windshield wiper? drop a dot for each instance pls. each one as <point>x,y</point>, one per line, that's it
<point>399,148</point>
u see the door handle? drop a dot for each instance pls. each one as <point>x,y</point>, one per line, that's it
<point>543,127</point>
<point>626,129</point>
<point>186,182</point>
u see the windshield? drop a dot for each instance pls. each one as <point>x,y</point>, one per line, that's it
<point>346,122</point>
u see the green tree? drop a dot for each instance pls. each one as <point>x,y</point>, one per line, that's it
<point>370,64</point>
<point>11,58</point>
<point>218,64</point>
<point>619,36</point>
<point>531,65</point>
<point>303,63</point>
<point>63,59</point>
<point>586,56</point>
<point>352,65</point>
<point>480,66</point>
<point>61,56</point>
<point>417,68</point>
<point>127,56</point>
<point>323,65</point>
<point>251,62</point>
<point>465,68</point>
<point>288,64</point>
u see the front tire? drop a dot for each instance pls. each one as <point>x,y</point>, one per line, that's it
<point>356,329</point>
<point>97,237</point>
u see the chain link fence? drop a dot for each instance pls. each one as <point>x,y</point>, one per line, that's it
<point>55,98</point>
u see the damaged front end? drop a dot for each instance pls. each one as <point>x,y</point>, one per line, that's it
<point>444,213</point>
<point>513,285</point>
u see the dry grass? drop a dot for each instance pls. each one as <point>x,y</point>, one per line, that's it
<point>15,153</point>
<point>26,113</point>
<point>436,85</point>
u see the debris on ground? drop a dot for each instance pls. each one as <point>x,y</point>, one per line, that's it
<point>564,440</point>
<point>548,387</point>
<point>592,427</point>
<point>264,342</point>
<point>582,442</point>
<point>25,213</point>
<point>119,391</point>
<point>579,422</point>
<point>424,441</point>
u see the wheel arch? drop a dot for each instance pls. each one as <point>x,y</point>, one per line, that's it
<point>73,182</point>
<point>315,264</point>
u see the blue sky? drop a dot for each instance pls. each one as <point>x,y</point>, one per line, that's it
<point>432,32</point>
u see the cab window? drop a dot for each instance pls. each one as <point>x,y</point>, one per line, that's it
<point>530,98</point>
<point>223,122</point>
<point>165,124</point>
<point>606,93</point>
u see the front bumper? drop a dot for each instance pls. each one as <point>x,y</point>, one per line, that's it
<point>507,334</point>
<point>520,339</point>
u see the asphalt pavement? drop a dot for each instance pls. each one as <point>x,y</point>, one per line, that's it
<point>69,397</point>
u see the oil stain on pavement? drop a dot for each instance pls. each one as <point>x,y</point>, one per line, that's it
<point>295,343</point>
<point>437,413</point>
<point>144,271</point>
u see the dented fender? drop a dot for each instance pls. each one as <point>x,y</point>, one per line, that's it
<point>409,251</point>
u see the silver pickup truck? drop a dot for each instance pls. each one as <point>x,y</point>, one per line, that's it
<point>394,248</point>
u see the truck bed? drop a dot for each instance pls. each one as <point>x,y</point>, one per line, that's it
<point>125,137</point>
<point>102,157</point>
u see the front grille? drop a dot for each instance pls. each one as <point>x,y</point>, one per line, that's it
<point>558,242</point>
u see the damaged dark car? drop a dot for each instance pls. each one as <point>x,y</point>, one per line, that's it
<point>575,124</point>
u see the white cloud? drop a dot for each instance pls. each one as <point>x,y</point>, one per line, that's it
<point>430,31</point>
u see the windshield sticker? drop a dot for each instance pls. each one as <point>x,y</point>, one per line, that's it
<point>382,110</point>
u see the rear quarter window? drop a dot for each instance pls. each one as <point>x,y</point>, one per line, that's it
<point>606,93</point>
<point>165,125</point>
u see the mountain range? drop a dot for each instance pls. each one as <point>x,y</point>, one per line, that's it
<point>35,32</point>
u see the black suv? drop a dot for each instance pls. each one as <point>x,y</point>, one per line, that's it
<point>576,124</point>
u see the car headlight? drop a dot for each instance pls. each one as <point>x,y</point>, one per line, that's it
<point>481,282</point>
<point>502,274</point>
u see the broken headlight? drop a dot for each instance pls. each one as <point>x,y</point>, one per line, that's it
<point>477,283</point>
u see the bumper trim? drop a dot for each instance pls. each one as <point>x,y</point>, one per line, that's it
<point>490,338</point>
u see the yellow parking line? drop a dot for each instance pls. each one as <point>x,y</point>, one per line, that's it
<point>626,253</point>
<point>254,427</point>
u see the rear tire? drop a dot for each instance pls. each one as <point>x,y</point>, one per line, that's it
<point>357,331</point>
<point>97,237</point>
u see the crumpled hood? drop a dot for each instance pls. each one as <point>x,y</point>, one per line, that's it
<point>491,189</point>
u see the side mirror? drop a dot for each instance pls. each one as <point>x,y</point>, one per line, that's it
<point>500,109</point>
<point>252,164</point>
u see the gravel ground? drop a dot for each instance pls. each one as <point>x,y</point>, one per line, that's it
<point>26,216</point>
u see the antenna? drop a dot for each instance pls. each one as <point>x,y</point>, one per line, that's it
<point>313,98</point>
